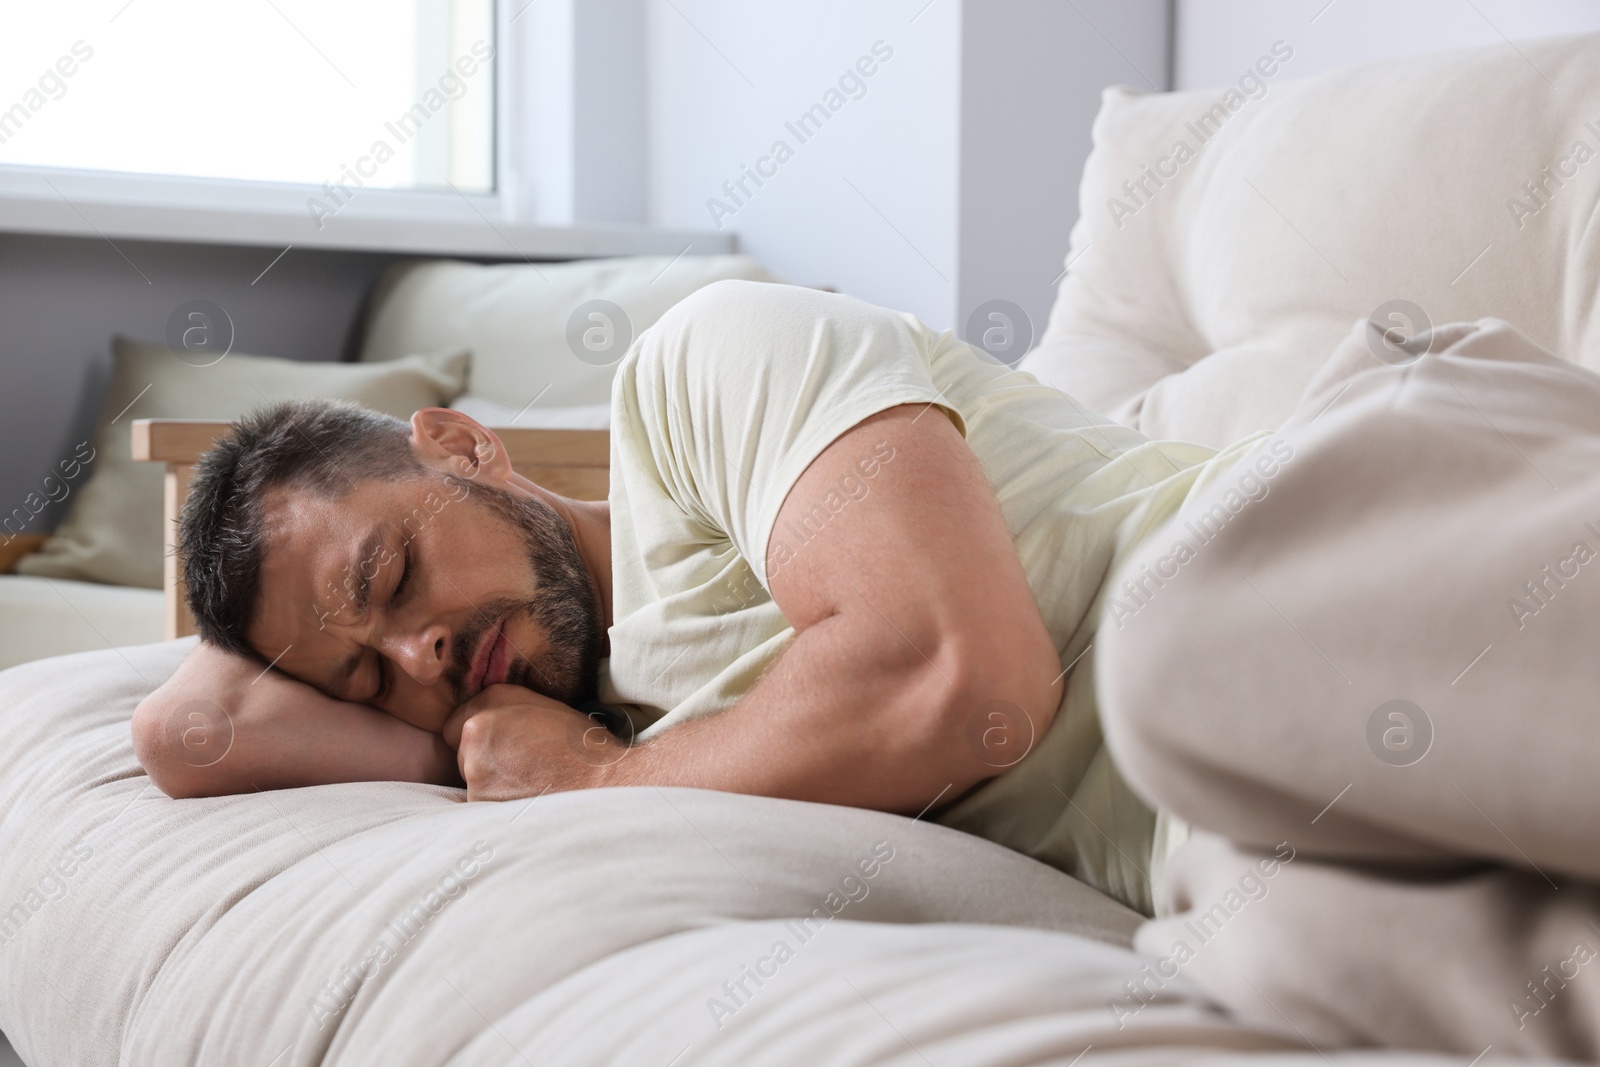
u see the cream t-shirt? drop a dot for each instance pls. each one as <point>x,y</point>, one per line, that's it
<point>720,406</point>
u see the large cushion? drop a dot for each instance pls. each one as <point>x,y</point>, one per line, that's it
<point>393,924</point>
<point>213,925</point>
<point>1199,307</point>
<point>531,327</point>
<point>113,531</point>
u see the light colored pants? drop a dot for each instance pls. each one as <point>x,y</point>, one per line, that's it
<point>1371,683</point>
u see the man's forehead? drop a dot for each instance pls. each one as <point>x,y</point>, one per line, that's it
<point>315,560</point>
<point>288,508</point>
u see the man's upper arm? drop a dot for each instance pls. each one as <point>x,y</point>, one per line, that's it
<point>895,523</point>
<point>807,429</point>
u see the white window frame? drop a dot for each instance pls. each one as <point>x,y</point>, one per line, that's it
<point>499,223</point>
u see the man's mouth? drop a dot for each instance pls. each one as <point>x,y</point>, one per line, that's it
<point>491,665</point>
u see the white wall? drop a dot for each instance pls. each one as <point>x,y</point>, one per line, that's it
<point>1217,39</point>
<point>868,202</point>
<point>951,181</point>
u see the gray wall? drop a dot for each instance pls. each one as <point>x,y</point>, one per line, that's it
<point>1031,78</point>
<point>61,299</point>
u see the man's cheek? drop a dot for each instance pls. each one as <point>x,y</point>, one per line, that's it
<point>425,708</point>
<point>528,648</point>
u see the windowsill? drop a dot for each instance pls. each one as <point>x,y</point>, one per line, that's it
<point>29,212</point>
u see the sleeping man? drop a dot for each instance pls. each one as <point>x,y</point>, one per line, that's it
<point>845,558</point>
<point>848,559</point>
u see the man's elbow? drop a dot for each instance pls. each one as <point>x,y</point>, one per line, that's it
<point>159,737</point>
<point>1002,700</point>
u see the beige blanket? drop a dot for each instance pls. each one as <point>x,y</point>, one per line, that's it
<point>1380,680</point>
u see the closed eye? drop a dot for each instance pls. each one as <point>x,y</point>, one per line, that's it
<point>405,577</point>
<point>385,669</point>
<point>385,680</point>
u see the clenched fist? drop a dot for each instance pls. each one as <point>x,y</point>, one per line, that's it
<point>512,742</point>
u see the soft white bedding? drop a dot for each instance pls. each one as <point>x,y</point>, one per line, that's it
<point>42,617</point>
<point>1200,308</point>
<point>580,928</point>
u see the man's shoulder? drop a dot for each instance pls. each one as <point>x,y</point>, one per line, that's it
<point>676,341</point>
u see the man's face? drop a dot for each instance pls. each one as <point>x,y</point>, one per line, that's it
<point>413,595</point>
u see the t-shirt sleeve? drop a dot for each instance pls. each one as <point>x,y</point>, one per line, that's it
<point>726,400</point>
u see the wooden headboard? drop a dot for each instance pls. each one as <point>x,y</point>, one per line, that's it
<point>573,463</point>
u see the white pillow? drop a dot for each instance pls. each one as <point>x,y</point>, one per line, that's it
<point>113,531</point>
<point>526,323</point>
<point>1201,310</point>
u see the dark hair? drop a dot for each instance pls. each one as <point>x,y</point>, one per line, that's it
<point>322,446</point>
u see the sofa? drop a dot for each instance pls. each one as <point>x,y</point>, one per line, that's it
<point>496,341</point>
<point>396,924</point>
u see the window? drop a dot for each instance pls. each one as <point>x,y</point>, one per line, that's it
<point>346,93</point>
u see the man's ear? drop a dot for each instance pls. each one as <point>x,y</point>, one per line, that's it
<point>448,440</point>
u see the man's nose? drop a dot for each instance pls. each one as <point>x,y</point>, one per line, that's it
<point>423,654</point>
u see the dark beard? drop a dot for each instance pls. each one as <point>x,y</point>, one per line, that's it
<point>563,605</point>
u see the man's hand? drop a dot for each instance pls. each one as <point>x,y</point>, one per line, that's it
<point>512,742</point>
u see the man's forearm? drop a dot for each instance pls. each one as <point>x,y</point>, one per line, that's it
<point>852,714</point>
<point>223,724</point>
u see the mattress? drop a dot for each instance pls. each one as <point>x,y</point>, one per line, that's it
<point>395,924</point>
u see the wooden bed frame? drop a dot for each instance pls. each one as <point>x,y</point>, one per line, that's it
<point>573,463</point>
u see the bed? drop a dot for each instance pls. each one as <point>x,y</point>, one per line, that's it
<point>395,924</point>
